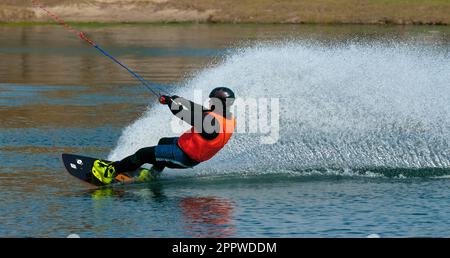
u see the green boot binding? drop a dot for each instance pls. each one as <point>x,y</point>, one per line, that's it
<point>147,175</point>
<point>104,171</point>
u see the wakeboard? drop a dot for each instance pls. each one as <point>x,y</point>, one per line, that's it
<point>81,168</point>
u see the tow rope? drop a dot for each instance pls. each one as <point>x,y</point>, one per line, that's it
<point>149,85</point>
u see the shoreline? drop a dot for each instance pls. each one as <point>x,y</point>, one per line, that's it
<point>330,12</point>
<point>188,23</point>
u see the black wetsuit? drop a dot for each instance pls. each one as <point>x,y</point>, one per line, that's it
<point>188,111</point>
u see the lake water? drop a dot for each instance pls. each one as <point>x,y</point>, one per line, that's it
<point>363,143</point>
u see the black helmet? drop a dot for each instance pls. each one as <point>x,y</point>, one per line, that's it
<point>225,94</point>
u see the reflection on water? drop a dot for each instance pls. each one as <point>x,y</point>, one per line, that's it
<point>51,56</point>
<point>200,216</point>
<point>208,216</point>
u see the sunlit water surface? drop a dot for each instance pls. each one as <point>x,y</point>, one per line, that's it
<point>363,147</point>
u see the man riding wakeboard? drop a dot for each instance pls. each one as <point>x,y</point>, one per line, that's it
<point>211,130</point>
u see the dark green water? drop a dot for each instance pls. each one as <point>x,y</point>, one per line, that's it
<point>58,95</point>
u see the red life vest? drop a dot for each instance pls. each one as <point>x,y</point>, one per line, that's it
<point>201,149</point>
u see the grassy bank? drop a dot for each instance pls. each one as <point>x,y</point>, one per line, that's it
<point>233,11</point>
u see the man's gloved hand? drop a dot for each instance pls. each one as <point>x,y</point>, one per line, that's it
<point>164,99</point>
<point>167,100</point>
